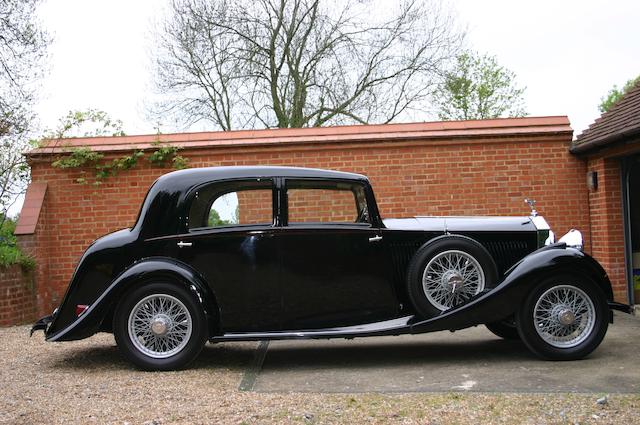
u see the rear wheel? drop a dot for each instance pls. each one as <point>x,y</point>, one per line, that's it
<point>160,326</point>
<point>565,318</point>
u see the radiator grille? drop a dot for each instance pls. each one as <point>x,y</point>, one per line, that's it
<point>506,253</point>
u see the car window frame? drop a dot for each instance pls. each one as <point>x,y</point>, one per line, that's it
<point>284,209</point>
<point>231,227</point>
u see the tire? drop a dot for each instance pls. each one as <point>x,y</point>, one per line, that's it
<point>151,313</point>
<point>506,329</point>
<point>565,318</point>
<point>435,285</point>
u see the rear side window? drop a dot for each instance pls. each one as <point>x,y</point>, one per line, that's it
<point>325,202</point>
<point>232,204</point>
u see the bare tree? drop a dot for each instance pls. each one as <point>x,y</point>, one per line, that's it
<point>23,47</point>
<point>301,63</point>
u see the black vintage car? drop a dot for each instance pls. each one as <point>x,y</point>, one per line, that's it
<point>257,253</point>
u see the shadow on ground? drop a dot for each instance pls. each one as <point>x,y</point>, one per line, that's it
<point>100,356</point>
<point>467,360</point>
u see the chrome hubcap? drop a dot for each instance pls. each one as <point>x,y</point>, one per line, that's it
<point>451,278</point>
<point>453,281</point>
<point>564,316</point>
<point>160,326</point>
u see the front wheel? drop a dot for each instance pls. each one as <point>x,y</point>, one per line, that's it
<point>565,318</point>
<point>160,326</point>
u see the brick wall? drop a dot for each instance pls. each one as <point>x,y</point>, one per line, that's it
<point>607,231</point>
<point>17,296</point>
<point>321,206</point>
<point>486,175</point>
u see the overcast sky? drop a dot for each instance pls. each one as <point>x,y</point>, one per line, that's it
<point>567,53</point>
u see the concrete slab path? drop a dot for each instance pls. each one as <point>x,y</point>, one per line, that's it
<point>468,360</point>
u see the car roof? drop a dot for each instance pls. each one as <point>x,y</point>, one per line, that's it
<point>163,201</point>
<point>188,177</point>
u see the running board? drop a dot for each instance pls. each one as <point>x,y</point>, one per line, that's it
<point>398,326</point>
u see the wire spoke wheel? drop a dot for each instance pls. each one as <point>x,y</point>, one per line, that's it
<point>451,278</point>
<point>160,326</point>
<point>564,316</point>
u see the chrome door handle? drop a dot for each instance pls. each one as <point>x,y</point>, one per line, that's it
<point>376,238</point>
<point>183,244</point>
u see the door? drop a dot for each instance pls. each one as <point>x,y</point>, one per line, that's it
<point>231,243</point>
<point>334,268</point>
<point>631,201</point>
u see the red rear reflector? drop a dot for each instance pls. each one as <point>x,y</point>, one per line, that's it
<point>81,308</point>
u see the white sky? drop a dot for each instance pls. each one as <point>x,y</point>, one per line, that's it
<point>567,53</point>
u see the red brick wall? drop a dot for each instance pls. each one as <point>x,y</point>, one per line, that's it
<point>17,296</point>
<point>255,206</point>
<point>607,231</point>
<point>483,176</point>
<point>321,206</point>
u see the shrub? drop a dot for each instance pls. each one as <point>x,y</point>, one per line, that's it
<point>10,252</point>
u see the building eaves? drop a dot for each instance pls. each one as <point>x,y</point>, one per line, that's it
<point>622,121</point>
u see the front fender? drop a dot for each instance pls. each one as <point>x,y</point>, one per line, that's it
<point>519,281</point>
<point>89,322</point>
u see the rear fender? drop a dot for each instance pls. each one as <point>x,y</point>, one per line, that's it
<point>138,274</point>
<point>519,281</point>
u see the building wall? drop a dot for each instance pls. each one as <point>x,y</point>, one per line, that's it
<point>607,231</point>
<point>480,176</point>
<point>17,296</point>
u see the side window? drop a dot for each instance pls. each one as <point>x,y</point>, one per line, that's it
<point>325,202</point>
<point>232,204</point>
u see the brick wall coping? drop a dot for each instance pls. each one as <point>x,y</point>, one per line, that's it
<point>30,212</point>
<point>500,127</point>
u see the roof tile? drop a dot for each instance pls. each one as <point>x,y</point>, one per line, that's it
<point>622,120</point>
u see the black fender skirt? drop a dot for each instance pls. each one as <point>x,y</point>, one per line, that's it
<point>89,322</point>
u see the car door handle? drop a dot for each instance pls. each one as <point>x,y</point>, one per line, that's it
<point>376,238</point>
<point>184,244</point>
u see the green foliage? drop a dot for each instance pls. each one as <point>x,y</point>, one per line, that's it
<point>164,153</point>
<point>180,162</point>
<point>10,253</point>
<point>478,88</point>
<point>215,220</point>
<point>127,162</point>
<point>85,157</point>
<point>615,94</point>
<point>79,157</point>
<point>93,123</point>
<point>87,123</point>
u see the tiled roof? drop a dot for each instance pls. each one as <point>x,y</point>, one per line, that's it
<point>620,122</point>
<point>501,127</point>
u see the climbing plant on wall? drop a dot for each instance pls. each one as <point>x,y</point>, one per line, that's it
<point>95,167</point>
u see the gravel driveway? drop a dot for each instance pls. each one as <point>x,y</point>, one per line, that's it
<point>88,382</point>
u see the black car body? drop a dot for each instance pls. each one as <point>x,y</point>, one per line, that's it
<point>305,254</point>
